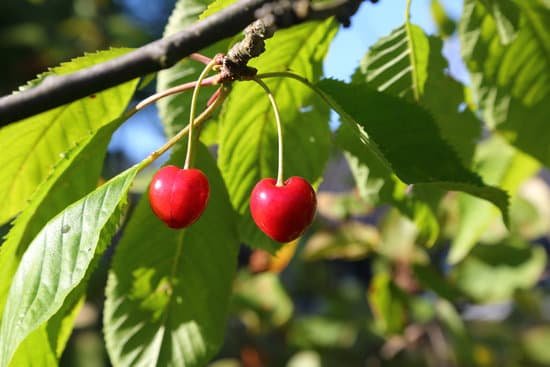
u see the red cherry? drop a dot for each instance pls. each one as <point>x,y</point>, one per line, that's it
<point>283,212</point>
<point>178,196</point>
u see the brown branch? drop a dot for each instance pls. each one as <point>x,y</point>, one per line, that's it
<point>55,91</point>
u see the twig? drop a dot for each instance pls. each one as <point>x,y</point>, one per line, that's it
<point>174,90</point>
<point>55,91</point>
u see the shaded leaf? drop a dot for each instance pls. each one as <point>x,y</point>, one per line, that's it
<point>408,64</point>
<point>408,141</point>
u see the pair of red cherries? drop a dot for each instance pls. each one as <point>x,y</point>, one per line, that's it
<point>179,196</point>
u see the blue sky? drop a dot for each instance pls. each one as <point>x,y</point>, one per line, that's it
<point>139,136</point>
<point>373,21</point>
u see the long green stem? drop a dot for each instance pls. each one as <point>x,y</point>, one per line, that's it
<point>279,129</point>
<point>208,67</point>
<point>197,122</point>
<point>313,87</point>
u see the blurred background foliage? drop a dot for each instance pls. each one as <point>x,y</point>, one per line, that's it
<point>36,34</point>
<point>357,290</point>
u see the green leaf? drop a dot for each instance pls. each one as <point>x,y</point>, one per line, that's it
<point>388,304</point>
<point>500,165</point>
<point>247,133</point>
<point>323,332</point>
<point>409,64</point>
<point>45,345</point>
<point>506,17</point>
<point>511,81</point>
<point>33,146</point>
<point>445,25</point>
<point>398,63</point>
<point>444,98</point>
<point>58,260</point>
<point>264,295</point>
<point>376,181</point>
<point>35,351</point>
<point>168,291</point>
<point>352,241</point>
<point>432,279</point>
<point>405,138</point>
<point>215,6</point>
<point>73,177</point>
<point>492,273</point>
<point>174,110</point>
<point>534,344</point>
<point>399,238</point>
<point>463,348</point>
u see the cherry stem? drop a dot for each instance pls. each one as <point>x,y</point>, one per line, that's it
<point>279,129</point>
<point>174,90</point>
<point>200,58</point>
<point>208,67</point>
<point>197,122</point>
<point>313,87</point>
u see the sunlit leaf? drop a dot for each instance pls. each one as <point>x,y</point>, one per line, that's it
<point>58,260</point>
<point>32,147</point>
<point>506,17</point>
<point>511,83</point>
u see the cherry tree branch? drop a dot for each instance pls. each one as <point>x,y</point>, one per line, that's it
<point>55,91</point>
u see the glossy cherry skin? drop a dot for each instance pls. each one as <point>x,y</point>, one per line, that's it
<point>283,212</point>
<point>178,196</point>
